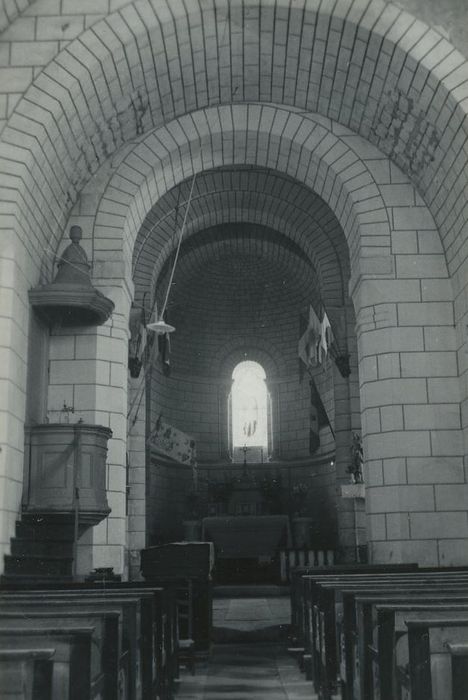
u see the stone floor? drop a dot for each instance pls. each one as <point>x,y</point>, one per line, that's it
<point>249,659</point>
<point>246,672</point>
<point>250,619</point>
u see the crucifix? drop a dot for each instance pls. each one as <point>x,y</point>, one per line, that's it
<point>244,471</point>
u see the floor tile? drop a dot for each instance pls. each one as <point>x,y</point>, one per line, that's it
<point>248,670</point>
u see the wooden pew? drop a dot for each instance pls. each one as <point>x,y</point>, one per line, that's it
<point>26,673</point>
<point>157,645</point>
<point>389,635</point>
<point>359,620</point>
<point>459,666</point>
<point>428,638</point>
<point>164,642</point>
<point>321,606</point>
<point>71,674</point>
<point>132,637</point>
<point>323,599</point>
<point>163,648</point>
<point>351,654</point>
<point>165,631</point>
<point>105,646</point>
<point>300,618</point>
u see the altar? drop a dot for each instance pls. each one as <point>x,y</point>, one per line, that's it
<point>247,547</point>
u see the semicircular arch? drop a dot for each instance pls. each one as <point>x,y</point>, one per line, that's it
<point>64,128</point>
<point>315,157</point>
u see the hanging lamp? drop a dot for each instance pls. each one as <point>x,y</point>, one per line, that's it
<point>160,327</point>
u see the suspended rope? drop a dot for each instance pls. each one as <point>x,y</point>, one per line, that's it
<point>176,221</point>
<point>182,229</point>
<point>140,391</point>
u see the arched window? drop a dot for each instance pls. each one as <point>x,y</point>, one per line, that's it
<point>249,408</point>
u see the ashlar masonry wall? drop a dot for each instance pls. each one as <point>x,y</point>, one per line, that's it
<point>242,304</point>
<point>405,92</point>
<point>402,296</point>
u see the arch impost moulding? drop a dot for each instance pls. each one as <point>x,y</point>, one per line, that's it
<point>365,278</point>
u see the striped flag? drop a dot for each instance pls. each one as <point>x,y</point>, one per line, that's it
<point>308,346</point>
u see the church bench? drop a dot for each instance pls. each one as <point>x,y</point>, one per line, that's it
<point>71,670</point>
<point>132,621</point>
<point>105,647</point>
<point>26,673</point>
<point>320,626</point>
<point>298,612</point>
<point>323,604</point>
<point>334,631</point>
<point>385,644</point>
<point>428,647</point>
<point>358,620</point>
<point>165,636</point>
<point>164,643</point>
<point>318,614</point>
<point>158,640</point>
<point>160,651</point>
<point>459,667</point>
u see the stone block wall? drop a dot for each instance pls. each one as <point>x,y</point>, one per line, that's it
<point>381,139</point>
<point>227,308</point>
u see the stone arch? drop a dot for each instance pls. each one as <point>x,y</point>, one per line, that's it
<point>293,214</point>
<point>382,283</point>
<point>314,156</point>
<point>124,39</point>
<point>230,355</point>
<point>54,139</point>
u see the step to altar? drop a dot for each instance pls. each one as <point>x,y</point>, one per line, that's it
<point>251,591</point>
<point>243,618</point>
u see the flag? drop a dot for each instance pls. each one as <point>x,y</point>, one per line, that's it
<point>309,341</point>
<point>314,428</point>
<point>302,330</point>
<point>137,341</point>
<point>326,338</point>
<point>320,414</point>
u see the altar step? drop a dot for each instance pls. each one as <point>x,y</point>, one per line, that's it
<point>250,591</point>
<point>250,619</point>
